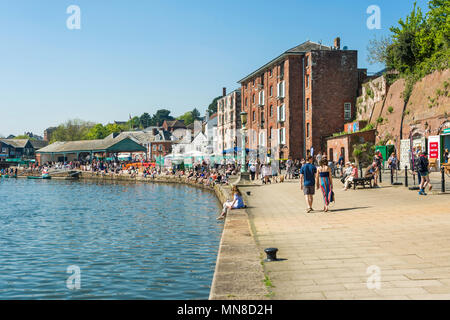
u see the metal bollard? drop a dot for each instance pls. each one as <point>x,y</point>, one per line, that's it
<point>443,179</point>
<point>381,174</point>
<point>392,176</point>
<point>271,254</point>
<point>406,176</point>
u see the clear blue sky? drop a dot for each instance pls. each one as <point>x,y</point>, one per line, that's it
<point>137,56</point>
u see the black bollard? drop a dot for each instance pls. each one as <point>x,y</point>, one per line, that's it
<point>271,254</point>
<point>381,174</point>
<point>442,179</point>
<point>406,176</point>
<point>392,176</point>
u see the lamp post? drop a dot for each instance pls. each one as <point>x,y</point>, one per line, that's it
<point>243,149</point>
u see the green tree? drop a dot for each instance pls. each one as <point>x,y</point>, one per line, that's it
<point>72,130</point>
<point>363,153</point>
<point>212,108</point>
<point>160,116</point>
<point>439,21</point>
<point>196,114</point>
<point>97,132</point>
<point>134,123</point>
<point>145,120</point>
<point>114,128</point>
<point>188,118</point>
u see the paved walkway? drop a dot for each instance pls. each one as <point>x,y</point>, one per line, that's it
<point>327,254</point>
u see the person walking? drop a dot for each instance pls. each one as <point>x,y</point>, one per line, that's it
<point>252,170</point>
<point>289,168</point>
<point>422,166</point>
<point>341,164</point>
<point>318,158</point>
<point>308,181</point>
<point>324,181</point>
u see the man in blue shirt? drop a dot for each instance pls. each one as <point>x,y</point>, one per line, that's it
<point>308,182</point>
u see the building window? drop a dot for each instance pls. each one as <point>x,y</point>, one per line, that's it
<point>246,101</point>
<point>271,91</point>
<point>261,98</point>
<point>307,104</point>
<point>271,110</point>
<point>307,80</point>
<point>254,116</point>
<point>262,141</point>
<point>282,136</point>
<point>347,111</point>
<point>280,90</point>
<point>253,82</point>
<point>160,147</point>
<point>282,113</point>
<point>154,147</point>
<point>270,72</point>
<point>282,69</point>
<point>307,130</point>
<point>262,79</point>
<point>253,98</point>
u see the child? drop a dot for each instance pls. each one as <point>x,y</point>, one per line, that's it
<point>236,203</point>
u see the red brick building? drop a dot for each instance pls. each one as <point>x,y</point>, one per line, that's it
<point>344,144</point>
<point>299,98</point>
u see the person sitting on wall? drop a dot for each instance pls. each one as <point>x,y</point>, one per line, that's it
<point>236,203</point>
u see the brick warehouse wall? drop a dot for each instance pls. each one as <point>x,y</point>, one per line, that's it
<point>293,101</point>
<point>334,81</point>
<point>294,111</point>
<point>317,84</point>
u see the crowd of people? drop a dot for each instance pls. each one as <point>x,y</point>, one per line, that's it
<point>314,173</point>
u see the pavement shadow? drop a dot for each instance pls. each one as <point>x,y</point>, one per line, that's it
<point>348,209</point>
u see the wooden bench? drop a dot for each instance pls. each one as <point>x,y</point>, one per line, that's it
<point>363,182</point>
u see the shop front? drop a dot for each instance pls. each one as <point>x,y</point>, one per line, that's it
<point>444,142</point>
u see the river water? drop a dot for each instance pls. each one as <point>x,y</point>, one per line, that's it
<point>90,240</point>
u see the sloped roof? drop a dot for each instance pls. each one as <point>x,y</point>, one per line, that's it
<point>37,144</point>
<point>300,49</point>
<point>176,124</point>
<point>16,143</point>
<point>92,145</point>
<point>143,137</point>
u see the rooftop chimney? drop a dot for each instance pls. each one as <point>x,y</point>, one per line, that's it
<point>224,91</point>
<point>337,43</point>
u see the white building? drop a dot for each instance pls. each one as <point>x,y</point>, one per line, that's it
<point>229,121</point>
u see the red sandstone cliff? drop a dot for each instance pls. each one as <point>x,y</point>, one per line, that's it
<point>426,113</point>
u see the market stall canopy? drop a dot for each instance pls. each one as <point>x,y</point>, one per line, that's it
<point>195,153</point>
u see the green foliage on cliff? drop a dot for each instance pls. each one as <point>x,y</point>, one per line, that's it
<point>418,46</point>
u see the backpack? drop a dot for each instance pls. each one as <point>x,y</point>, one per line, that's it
<point>422,164</point>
